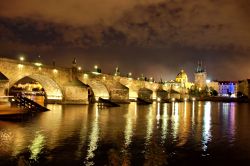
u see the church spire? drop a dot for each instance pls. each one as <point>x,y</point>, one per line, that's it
<point>74,62</point>
<point>200,68</point>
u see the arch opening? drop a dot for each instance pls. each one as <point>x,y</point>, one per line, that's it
<point>145,94</point>
<point>161,94</point>
<point>38,87</point>
<point>97,90</point>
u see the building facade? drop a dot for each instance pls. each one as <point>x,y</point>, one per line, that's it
<point>244,87</point>
<point>200,77</point>
<point>224,88</point>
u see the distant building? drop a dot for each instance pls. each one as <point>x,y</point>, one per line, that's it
<point>227,88</point>
<point>213,85</point>
<point>224,88</point>
<point>200,76</point>
<point>179,87</point>
<point>182,79</point>
<point>244,87</point>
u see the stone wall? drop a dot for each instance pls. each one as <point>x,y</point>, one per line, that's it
<point>75,95</point>
<point>4,87</point>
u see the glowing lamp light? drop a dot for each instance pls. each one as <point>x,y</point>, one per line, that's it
<point>39,68</point>
<point>208,81</point>
<point>55,71</point>
<point>96,67</point>
<point>79,68</point>
<point>193,99</point>
<point>38,64</point>
<point>173,99</point>
<point>85,75</point>
<point>21,58</point>
<point>185,99</point>
<point>20,66</point>
<point>104,77</point>
<point>158,99</point>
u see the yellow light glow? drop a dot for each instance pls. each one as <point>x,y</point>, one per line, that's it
<point>37,146</point>
<point>55,71</point>
<point>158,99</point>
<point>94,138</point>
<point>22,58</point>
<point>96,73</point>
<point>96,67</point>
<point>79,68</point>
<point>38,64</point>
<point>85,76</point>
<point>20,66</point>
<point>54,97</point>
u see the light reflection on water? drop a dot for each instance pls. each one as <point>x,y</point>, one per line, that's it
<point>135,134</point>
<point>164,123</point>
<point>93,139</point>
<point>206,134</point>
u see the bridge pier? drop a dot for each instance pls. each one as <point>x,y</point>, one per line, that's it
<point>4,88</point>
<point>75,92</point>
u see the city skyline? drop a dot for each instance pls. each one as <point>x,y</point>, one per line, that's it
<point>156,38</point>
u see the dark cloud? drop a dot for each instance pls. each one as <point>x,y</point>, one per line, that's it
<point>157,38</point>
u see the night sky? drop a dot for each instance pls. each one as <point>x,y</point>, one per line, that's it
<point>154,37</point>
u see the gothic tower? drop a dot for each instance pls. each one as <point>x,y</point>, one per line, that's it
<point>200,76</point>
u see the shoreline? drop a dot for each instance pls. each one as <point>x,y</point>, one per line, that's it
<point>224,99</point>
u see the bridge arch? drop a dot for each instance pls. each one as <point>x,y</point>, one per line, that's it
<point>145,93</point>
<point>99,90</point>
<point>51,88</point>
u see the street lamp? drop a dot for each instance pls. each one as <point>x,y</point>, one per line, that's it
<point>21,58</point>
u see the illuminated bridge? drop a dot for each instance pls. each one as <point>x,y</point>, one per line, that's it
<point>73,86</point>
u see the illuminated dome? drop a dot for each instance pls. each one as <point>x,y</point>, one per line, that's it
<point>182,77</point>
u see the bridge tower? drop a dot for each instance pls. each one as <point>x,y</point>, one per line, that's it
<point>200,76</point>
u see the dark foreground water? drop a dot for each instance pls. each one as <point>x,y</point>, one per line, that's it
<point>198,133</point>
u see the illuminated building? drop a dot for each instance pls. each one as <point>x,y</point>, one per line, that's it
<point>178,88</point>
<point>244,88</point>
<point>224,88</point>
<point>200,76</point>
<point>227,88</point>
<point>182,78</point>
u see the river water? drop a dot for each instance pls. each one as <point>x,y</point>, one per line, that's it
<point>188,133</point>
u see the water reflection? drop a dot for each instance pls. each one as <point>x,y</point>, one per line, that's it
<point>130,123</point>
<point>93,139</point>
<point>228,113</point>
<point>37,145</point>
<point>135,134</point>
<point>193,115</point>
<point>206,134</point>
<point>129,131</point>
<point>164,123</point>
<point>175,110</point>
<point>150,125</point>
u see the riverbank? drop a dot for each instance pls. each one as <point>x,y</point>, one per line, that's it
<point>7,112</point>
<point>224,99</point>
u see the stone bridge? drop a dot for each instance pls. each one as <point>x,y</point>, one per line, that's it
<point>72,86</point>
